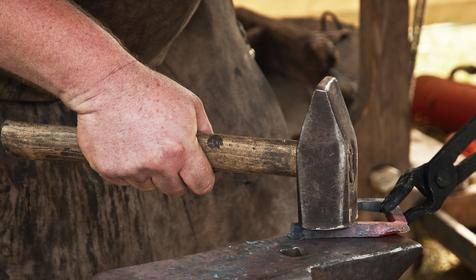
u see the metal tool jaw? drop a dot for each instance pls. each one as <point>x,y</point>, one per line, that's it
<point>327,162</point>
<point>437,178</point>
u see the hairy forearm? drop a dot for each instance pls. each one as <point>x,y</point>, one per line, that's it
<point>56,46</point>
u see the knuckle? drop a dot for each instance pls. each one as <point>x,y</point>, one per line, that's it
<point>111,170</point>
<point>197,100</point>
<point>192,96</point>
<point>140,179</point>
<point>127,171</point>
<point>175,150</point>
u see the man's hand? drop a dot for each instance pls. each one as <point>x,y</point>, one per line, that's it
<point>137,127</point>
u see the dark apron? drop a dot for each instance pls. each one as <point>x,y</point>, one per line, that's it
<point>59,219</point>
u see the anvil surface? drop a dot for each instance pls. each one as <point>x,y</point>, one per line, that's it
<point>283,258</point>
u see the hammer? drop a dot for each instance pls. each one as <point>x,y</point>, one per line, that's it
<point>324,160</point>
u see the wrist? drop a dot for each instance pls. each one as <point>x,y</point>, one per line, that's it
<point>88,86</point>
<point>113,89</point>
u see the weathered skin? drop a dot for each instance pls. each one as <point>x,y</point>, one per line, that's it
<point>135,127</point>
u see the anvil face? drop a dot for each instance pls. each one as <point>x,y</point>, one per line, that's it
<point>327,162</point>
<point>283,258</point>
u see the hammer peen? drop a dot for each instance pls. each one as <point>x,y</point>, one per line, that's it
<point>324,160</point>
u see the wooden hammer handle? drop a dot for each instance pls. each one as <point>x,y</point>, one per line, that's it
<point>228,153</point>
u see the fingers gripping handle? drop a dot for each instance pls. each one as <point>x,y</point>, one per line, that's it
<point>227,153</point>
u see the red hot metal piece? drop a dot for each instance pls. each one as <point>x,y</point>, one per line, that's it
<point>396,224</point>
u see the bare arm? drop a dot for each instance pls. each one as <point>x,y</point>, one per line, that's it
<point>135,126</point>
<point>56,46</point>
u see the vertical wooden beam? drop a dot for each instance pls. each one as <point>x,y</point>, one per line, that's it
<point>384,76</point>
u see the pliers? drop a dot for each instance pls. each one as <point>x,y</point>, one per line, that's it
<point>437,178</point>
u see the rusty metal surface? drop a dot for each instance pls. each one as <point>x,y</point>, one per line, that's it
<point>396,223</point>
<point>283,258</point>
<point>327,162</point>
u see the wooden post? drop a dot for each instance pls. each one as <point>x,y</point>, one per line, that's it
<point>385,74</point>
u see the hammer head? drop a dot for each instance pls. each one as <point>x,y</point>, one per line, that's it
<point>327,162</point>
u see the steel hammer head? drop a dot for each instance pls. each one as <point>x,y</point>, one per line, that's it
<point>327,162</point>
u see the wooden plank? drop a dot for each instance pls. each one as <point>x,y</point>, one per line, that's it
<point>453,235</point>
<point>383,130</point>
